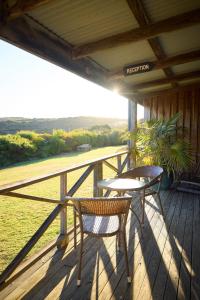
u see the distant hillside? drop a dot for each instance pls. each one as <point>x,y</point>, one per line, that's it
<point>13,124</point>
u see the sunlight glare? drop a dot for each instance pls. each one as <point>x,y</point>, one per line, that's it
<point>34,88</point>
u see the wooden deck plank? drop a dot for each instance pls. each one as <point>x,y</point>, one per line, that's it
<point>162,273</point>
<point>136,258</point>
<point>165,264</point>
<point>42,276</point>
<point>156,257</point>
<point>58,278</point>
<point>195,280</point>
<point>111,264</point>
<point>66,286</point>
<point>133,241</point>
<point>9,287</point>
<point>176,240</point>
<point>30,282</point>
<point>32,264</point>
<point>139,276</point>
<point>105,252</point>
<point>184,284</point>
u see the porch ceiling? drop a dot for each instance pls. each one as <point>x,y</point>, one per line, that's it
<point>96,39</point>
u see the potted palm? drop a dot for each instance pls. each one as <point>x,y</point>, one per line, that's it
<point>158,142</point>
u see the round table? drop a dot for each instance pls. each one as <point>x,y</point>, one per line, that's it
<point>121,184</point>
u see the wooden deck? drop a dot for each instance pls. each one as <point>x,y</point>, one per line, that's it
<point>165,264</point>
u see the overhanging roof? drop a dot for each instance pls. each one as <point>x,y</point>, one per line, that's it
<point>97,38</point>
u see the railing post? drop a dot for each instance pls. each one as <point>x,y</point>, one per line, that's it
<point>132,125</point>
<point>119,163</point>
<point>63,238</point>
<point>98,175</point>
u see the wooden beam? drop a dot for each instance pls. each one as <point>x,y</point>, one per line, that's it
<point>186,87</point>
<point>80,181</point>
<point>34,198</point>
<point>110,166</point>
<point>143,19</point>
<point>23,183</point>
<point>23,6</point>
<point>27,34</point>
<point>138,34</point>
<point>164,63</point>
<point>132,126</point>
<point>63,213</point>
<point>126,160</point>
<point>184,76</point>
<point>97,176</point>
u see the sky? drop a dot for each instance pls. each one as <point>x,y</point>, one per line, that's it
<point>34,88</point>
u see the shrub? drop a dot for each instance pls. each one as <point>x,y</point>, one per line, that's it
<point>28,144</point>
<point>38,140</point>
<point>14,148</point>
<point>55,145</point>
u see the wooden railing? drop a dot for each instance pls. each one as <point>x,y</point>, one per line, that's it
<point>95,166</point>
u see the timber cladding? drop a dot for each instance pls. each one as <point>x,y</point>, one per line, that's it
<point>186,101</point>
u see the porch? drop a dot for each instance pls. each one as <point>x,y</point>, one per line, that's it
<point>164,265</point>
<point>157,42</point>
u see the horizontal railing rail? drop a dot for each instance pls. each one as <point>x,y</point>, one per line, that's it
<point>23,183</point>
<point>95,166</point>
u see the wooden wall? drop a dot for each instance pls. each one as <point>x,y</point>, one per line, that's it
<point>186,101</point>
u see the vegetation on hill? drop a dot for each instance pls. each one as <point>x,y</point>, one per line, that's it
<point>12,125</point>
<point>26,145</point>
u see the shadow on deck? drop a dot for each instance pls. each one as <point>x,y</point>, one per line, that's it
<point>165,264</point>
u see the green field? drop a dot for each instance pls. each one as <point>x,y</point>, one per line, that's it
<point>20,218</point>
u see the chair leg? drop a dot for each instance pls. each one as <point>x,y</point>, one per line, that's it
<point>118,241</point>
<point>126,256</point>
<point>161,207</point>
<point>80,261</point>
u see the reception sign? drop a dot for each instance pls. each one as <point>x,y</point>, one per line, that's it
<point>139,68</point>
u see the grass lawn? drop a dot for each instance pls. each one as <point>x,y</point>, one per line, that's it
<point>20,218</point>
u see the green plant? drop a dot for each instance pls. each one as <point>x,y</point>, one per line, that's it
<point>14,148</point>
<point>26,144</point>
<point>159,142</point>
<point>56,145</point>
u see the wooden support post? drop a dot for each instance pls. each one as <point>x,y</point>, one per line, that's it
<point>63,239</point>
<point>132,125</point>
<point>98,175</point>
<point>119,163</point>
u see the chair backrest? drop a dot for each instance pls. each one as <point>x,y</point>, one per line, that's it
<point>144,171</point>
<point>102,206</point>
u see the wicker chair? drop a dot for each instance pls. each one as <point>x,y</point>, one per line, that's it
<point>102,217</point>
<point>154,176</point>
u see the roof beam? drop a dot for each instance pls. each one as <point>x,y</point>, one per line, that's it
<point>184,76</point>
<point>28,35</point>
<point>22,6</point>
<point>138,34</point>
<point>186,87</point>
<point>164,63</point>
<point>143,19</point>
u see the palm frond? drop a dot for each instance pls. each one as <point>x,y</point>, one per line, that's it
<point>158,141</point>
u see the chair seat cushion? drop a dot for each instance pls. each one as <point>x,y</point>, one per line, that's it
<point>100,225</point>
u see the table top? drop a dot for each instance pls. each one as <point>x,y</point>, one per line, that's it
<point>121,184</point>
